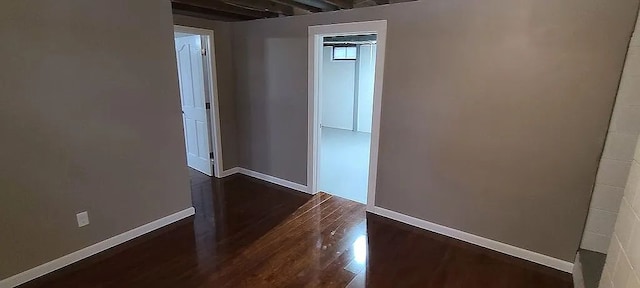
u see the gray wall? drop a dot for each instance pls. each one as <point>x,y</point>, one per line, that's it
<point>226,83</point>
<point>90,118</point>
<point>494,112</point>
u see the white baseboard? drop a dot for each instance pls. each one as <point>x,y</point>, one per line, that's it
<point>265,177</point>
<point>274,180</point>
<point>229,172</point>
<point>86,252</point>
<point>477,240</point>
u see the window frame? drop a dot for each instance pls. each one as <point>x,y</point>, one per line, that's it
<point>346,54</point>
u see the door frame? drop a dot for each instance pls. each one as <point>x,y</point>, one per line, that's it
<point>316,33</point>
<point>214,127</point>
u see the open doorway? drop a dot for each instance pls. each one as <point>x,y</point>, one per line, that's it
<point>345,90</point>
<point>195,58</point>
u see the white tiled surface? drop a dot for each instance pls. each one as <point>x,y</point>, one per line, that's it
<point>622,267</point>
<point>632,179</point>
<point>633,251</point>
<point>612,257</point>
<point>605,282</point>
<point>634,282</point>
<point>617,155</point>
<point>626,118</point>
<point>633,61</point>
<point>613,172</point>
<point>629,87</point>
<point>624,224</point>
<point>620,146</point>
<point>603,222</point>
<point>636,203</point>
<point>606,197</point>
<point>621,272</point>
<point>594,241</point>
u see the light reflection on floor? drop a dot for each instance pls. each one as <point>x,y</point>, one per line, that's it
<point>360,249</point>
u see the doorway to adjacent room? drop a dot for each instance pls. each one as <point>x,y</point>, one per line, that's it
<point>346,63</point>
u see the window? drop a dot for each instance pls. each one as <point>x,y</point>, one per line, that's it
<point>344,52</point>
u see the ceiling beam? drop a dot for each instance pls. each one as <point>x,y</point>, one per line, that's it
<point>224,7</point>
<point>364,3</point>
<point>298,5</point>
<point>342,4</point>
<point>200,12</point>
<point>319,3</point>
<point>230,10</point>
<point>262,5</point>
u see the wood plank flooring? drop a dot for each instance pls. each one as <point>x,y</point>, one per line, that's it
<point>249,233</point>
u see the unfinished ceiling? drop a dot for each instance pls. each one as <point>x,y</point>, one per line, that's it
<point>239,10</point>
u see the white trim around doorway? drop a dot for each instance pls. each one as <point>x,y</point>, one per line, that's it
<point>213,87</point>
<point>316,33</point>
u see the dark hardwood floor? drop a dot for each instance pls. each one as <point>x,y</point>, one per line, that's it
<point>249,233</point>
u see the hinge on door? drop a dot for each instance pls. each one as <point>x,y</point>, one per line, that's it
<point>204,52</point>
<point>210,155</point>
<point>207,106</point>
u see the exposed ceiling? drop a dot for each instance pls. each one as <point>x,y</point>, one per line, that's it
<point>239,10</point>
<point>350,38</point>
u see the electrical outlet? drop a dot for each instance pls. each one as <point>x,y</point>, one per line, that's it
<point>83,219</point>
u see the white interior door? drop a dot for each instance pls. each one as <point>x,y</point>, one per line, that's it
<point>192,95</point>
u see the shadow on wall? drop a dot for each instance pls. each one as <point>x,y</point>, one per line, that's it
<point>266,116</point>
<point>271,110</point>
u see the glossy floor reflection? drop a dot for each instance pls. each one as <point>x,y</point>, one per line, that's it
<point>248,233</point>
